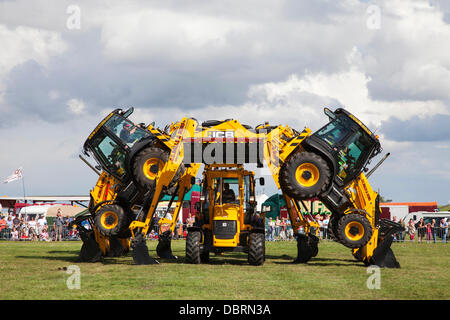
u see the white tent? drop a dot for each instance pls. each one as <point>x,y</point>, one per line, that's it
<point>260,198</point>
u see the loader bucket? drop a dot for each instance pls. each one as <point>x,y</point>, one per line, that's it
<point>90,250</point>
<point>140,251</point>
<point>383,256</point>
<point>307,247</point>
<point>163,249</point>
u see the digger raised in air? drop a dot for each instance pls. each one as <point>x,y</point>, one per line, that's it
<point>328,164</point>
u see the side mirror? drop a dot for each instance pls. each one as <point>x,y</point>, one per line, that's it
<point>329,113</point>
<point>261,181</point>
<point>127,113</point>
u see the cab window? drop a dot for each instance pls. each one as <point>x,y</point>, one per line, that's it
<point>354,153</point>
<point>110,154</point>
<point>126,130</point>
<point>336,131</point>
<point>226,190</point>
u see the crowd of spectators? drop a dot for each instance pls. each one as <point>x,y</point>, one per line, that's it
<point>430,230</point>
<point>36,228</point>
<point>31,228</point>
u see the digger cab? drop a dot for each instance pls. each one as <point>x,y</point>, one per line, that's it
<point>348,143</point>
<point>114,141</point>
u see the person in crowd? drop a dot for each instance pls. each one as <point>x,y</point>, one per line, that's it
<point>190,220</point>
<point>9,222</point>
<point>325,222</point>
<point>14,234</point>
<point>394,219</point>
<point>421,229</point>
<point>32,234</point>
<point>3,224</point>
<point>411,229</point>
<point>58,224</point>
<point>271,228</point>
<point>23,232</point>
<point>401,234</point>
<point>428,226</point>
<point>433,229</point>
<point>44,236</point>
<point>41,222</point>
<point>277,228</point>
<point>444,229</point>
<point>16,222</point>
<point>32,224</point>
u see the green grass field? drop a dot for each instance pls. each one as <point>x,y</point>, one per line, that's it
<point>37,271</point>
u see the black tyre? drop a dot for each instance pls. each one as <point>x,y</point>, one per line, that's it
<point>147,165</point>
<point>332,227</point>
<point>354,230</point>
<point>304,175</point>
<point>193,247</point>
<point>110,220</point>
<point>256,249</point>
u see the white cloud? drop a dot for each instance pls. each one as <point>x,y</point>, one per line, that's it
<point>76,106</point>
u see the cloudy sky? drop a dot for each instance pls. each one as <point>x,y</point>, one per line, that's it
<point>65,64</point>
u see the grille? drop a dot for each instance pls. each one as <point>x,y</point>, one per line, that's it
<point>225,229</point>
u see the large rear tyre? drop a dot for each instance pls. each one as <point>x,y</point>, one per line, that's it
<point>147,165</point>
<point>304,175</point>
<point>354,230</point>
<point>110,220</point>
<point>256,249</point>
<point>193,247</point>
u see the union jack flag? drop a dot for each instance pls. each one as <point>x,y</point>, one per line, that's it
<point>17,175</point>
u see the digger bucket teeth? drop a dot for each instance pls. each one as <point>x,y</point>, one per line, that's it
<point>163,249</point>
<point>90,251</point>
<point>307,247</point>
<point>140,251</point>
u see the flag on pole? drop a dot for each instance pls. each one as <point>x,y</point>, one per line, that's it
<point>17,175</point>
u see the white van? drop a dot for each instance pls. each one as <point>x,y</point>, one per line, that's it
<point>428,216</point>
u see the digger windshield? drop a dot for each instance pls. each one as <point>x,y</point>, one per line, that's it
<point>226,190</point>
<point>126,130</point>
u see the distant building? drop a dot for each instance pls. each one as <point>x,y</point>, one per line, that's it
<point>275,206</point>
<point>400,210</point>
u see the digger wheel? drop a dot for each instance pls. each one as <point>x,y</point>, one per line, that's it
<point>305,175</point>
<point>354,230</point>
<point>193,247</point>
<point>332,227</point>
<point>256,249</point>
<point>148,164</point>
<point>110,220</point>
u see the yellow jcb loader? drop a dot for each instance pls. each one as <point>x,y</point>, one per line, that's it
<point>227,218</point>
